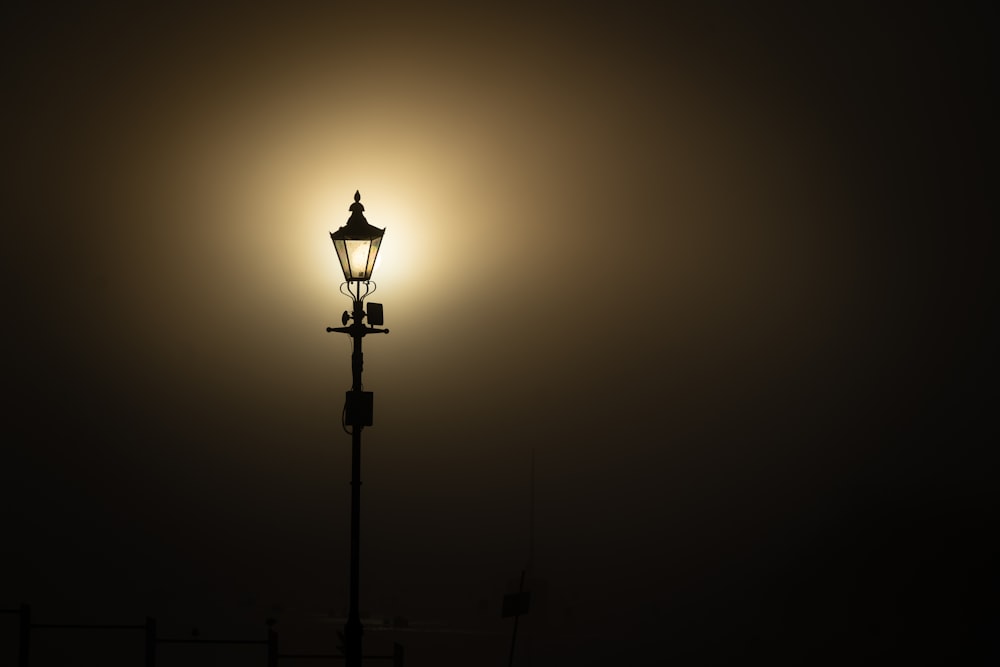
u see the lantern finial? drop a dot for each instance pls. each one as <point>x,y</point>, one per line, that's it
<point>357,207</point>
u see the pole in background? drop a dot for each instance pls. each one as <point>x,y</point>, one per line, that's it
<point>516,604</point>
<point>150,642</point>
<point>24,638</point>
<point>272,647</point>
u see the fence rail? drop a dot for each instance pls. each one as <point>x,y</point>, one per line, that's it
<point>26,626</point>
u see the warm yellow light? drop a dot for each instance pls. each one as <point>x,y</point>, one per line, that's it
<point>358,253</point>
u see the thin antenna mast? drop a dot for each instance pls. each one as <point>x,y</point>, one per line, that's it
<point>531,513</point>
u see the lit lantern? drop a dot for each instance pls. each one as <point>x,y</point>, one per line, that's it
<point>357,244</point>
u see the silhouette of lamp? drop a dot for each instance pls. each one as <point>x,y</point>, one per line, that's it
<point>357,244</point>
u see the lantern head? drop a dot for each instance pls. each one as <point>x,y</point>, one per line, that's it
<point>357,244</point>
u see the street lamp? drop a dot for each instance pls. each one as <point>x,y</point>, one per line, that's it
<point>357,244</point>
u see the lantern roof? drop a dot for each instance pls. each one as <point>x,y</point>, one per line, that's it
<point>357,226</point>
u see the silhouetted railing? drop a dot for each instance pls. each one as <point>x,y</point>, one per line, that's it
<point>397,657</point>
<point>152,640</point>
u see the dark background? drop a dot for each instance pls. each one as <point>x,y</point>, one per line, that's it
<point>723,274</point>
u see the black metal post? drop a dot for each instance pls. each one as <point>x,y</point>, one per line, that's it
<point>272,647</point>
<point>357,415</point>
<point>517,615</point>
<point>353,629</point>
<point>24,640</point>
<point>150,642</point>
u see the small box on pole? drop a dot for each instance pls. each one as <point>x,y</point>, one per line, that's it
<point>375,316</point>
<point>516,604</point>
<point>359,408</point>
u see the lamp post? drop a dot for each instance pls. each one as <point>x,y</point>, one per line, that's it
<point>357,244</point>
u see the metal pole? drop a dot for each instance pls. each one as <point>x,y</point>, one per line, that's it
<point>353,630</point>
<point>357,414</point>
<point>24,641</point>
<point>513,636</point>
<point>150,642</point>
<point>272,648</point>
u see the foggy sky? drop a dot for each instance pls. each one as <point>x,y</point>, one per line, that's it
<point>723,271</point>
